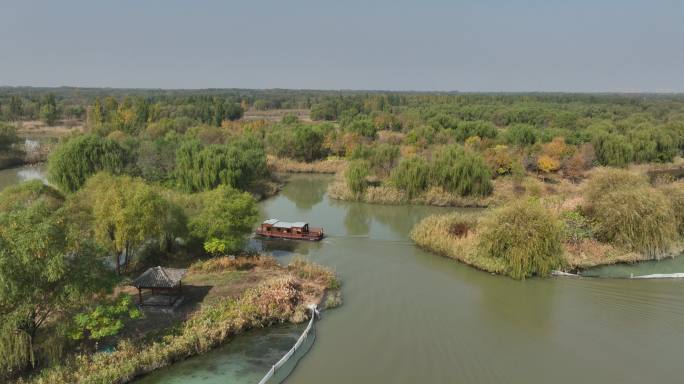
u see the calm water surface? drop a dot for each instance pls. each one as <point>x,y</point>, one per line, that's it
<point>12,176</point>
<point>242,361</point>
<point>412,317</point>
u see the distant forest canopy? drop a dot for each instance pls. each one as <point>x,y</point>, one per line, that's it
<point>25,102</point>
<point>547,132</point>
<point>69,99</point>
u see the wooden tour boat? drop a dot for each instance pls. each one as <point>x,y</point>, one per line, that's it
<point>283,230</point>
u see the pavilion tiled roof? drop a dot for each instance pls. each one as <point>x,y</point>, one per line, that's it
<point>160,277</point>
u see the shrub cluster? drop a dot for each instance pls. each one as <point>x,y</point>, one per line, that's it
<point>455,169</point>
<point>526,236</point>
<point>626,211</point>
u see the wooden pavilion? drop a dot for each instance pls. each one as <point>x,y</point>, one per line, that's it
<point>164,283</point>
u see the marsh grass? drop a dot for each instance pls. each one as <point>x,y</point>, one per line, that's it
<point>588,253</point>
<point>314,272</point>
<point>675,193</point>
<point>519,240</point>
<point>331,165</point>
<point>606,180</point>
<point>435,234</point>
<point>638,219</point>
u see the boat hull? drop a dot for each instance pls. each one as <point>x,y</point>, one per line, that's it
<point>311,236</point>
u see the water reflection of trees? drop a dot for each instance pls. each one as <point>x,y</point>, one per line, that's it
<point>357,221</point>
<point>526,307</point>
<point>305,191</point>
<point>399,219</point>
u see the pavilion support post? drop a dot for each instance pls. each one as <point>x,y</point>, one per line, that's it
<point>140,296</point>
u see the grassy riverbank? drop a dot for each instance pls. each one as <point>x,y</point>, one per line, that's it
<point>285,165</point>
<point>242,294</point>
<point>617,216</point>
<point>504,190</point>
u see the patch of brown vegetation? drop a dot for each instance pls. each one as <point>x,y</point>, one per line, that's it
<point>284,165</point>
<point>591,253</point>
<point>36,128</point>
<point>232,263</point>
<point>459,229</point>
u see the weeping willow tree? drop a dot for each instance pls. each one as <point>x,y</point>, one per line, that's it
<point>200,168</point>
<point>72,162</point>
<point>355,175</point>
<point>524,235</point>
<point>126,213</point>
<point>224,219</point>
<point>45,271</point>
<point>411,176</point>
<point>461,171</point>
<point>613,149</point>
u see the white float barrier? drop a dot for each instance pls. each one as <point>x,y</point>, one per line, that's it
<point>298,344</point>
<point>561,273</point>
<point>678,275</point>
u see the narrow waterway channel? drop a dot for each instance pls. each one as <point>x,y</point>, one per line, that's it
<point>412,317</point>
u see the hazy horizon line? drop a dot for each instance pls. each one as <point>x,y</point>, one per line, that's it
<point>613,92</point>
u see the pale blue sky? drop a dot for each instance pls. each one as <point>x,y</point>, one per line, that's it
<point>486,45</point>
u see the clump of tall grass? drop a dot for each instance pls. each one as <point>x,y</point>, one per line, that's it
<point>675,193</point>
<point>384,194</point>
<point>640,219</point>
<point>605,180</point>
<point>339,190</point>
<point>314,272</point>
<point>281,164</point>
<point>526,236</point>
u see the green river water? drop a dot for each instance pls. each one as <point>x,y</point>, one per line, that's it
<point>412,317</point>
